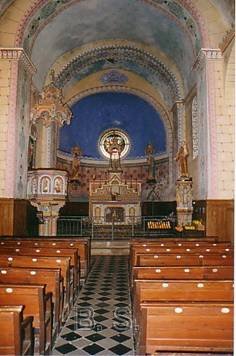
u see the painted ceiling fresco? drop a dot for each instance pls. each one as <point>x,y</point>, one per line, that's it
<point>94,114</point>
<point>94,20</point>
<point>126,58</point>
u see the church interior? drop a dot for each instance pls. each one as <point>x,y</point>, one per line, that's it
<point>117,177</point>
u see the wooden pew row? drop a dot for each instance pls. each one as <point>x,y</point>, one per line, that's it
<point>181,260</point>
<point>38,304</point>
<point>41,262</point>
<point>185,327</point>
<point>184,272</point>
<point>174,239</point>
<point>50,277</point>
<point>179,248</point>
<point>184,260</point>
<point>50,252</point>
<point>180,290</point>
<point>82,244</point>
<point>16,337</point>
<point>166,264</point>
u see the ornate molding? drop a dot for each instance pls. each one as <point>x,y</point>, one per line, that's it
<point>130,53</point>
<point>207,53</point>
<point>50,107</point>
<point>18,54</point>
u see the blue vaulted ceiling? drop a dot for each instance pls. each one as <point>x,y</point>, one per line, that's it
<point>99,20</point>
<point>96,113</point>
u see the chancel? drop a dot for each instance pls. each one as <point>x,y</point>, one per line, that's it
<point>117,177</point>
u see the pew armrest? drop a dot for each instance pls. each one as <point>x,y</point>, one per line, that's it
<point>48,321</point>
<point>27,336</point>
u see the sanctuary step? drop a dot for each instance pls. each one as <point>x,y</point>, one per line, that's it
<point>115,232</point>
<point>108,247</point>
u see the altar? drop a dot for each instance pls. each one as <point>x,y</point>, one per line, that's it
<point>115,200</point>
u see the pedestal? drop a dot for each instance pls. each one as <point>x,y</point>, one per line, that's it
<point>184,198</point>
<point>47,191</point>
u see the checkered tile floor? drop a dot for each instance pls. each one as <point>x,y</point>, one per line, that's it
<point>100,322</point>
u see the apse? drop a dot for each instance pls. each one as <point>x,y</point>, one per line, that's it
<point>99,112</point>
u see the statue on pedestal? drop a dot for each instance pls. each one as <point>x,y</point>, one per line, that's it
<point>114,146</point>
<point>75,168</point>
<point>149,151</point>
<point>184,191</point>
<point>181,158</point>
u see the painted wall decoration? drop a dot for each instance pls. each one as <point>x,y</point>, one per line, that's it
<point>195,128</point>
<point>163,189</point>
<point>96,113</point>
<point>166,25</point>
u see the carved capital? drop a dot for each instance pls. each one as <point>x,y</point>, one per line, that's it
<point>207,54</point>
<point>178,105</point>
<point>18,54</point>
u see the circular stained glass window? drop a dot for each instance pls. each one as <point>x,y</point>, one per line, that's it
<point>114,142</point>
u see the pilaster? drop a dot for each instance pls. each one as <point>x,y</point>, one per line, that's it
<point>13,61</point>
<point>210,65</point>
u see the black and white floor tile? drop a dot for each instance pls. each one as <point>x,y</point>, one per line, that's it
<point>100,322</point>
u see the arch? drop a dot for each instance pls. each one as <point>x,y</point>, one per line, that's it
<point>124,52</point>
<point>192,22</point>
<point>147,97</point>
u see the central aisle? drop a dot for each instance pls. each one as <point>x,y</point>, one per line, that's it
<point>100,322</point>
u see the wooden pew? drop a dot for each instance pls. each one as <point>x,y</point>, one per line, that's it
<point>158,269</point>
<point>50,252</point>
<point>183,290</point>
<point>82,244</point>
<point>180,290</point>
<point>184,272</point>
<point>41,262</point>
<point>185,327</point>
<point>37,304</point>
<point>179,248</point>
<point>174,239</point>
<point>184,260</point>
<point>16,336</point>
<point>50,277</point>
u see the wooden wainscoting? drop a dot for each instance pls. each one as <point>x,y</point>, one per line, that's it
<point>220,219</point>
<point>13,213</point>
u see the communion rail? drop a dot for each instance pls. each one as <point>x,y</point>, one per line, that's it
<point>97,228</point>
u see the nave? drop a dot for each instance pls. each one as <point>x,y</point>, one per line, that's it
<point>104,299</point>
<point>169,296</point>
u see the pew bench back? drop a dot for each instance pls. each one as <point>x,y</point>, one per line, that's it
<point>16,337</point>
<point>185,327</point>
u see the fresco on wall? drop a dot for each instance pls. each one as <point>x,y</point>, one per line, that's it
<point>96,113</point>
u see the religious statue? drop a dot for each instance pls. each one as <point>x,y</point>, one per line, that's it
<point>114,146</point>
<point>181,158</point>
<point>32,147</point>
<point>58,185</point>
<point>45,185</point>
<point>74,174</point>
<point>149,151</point>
